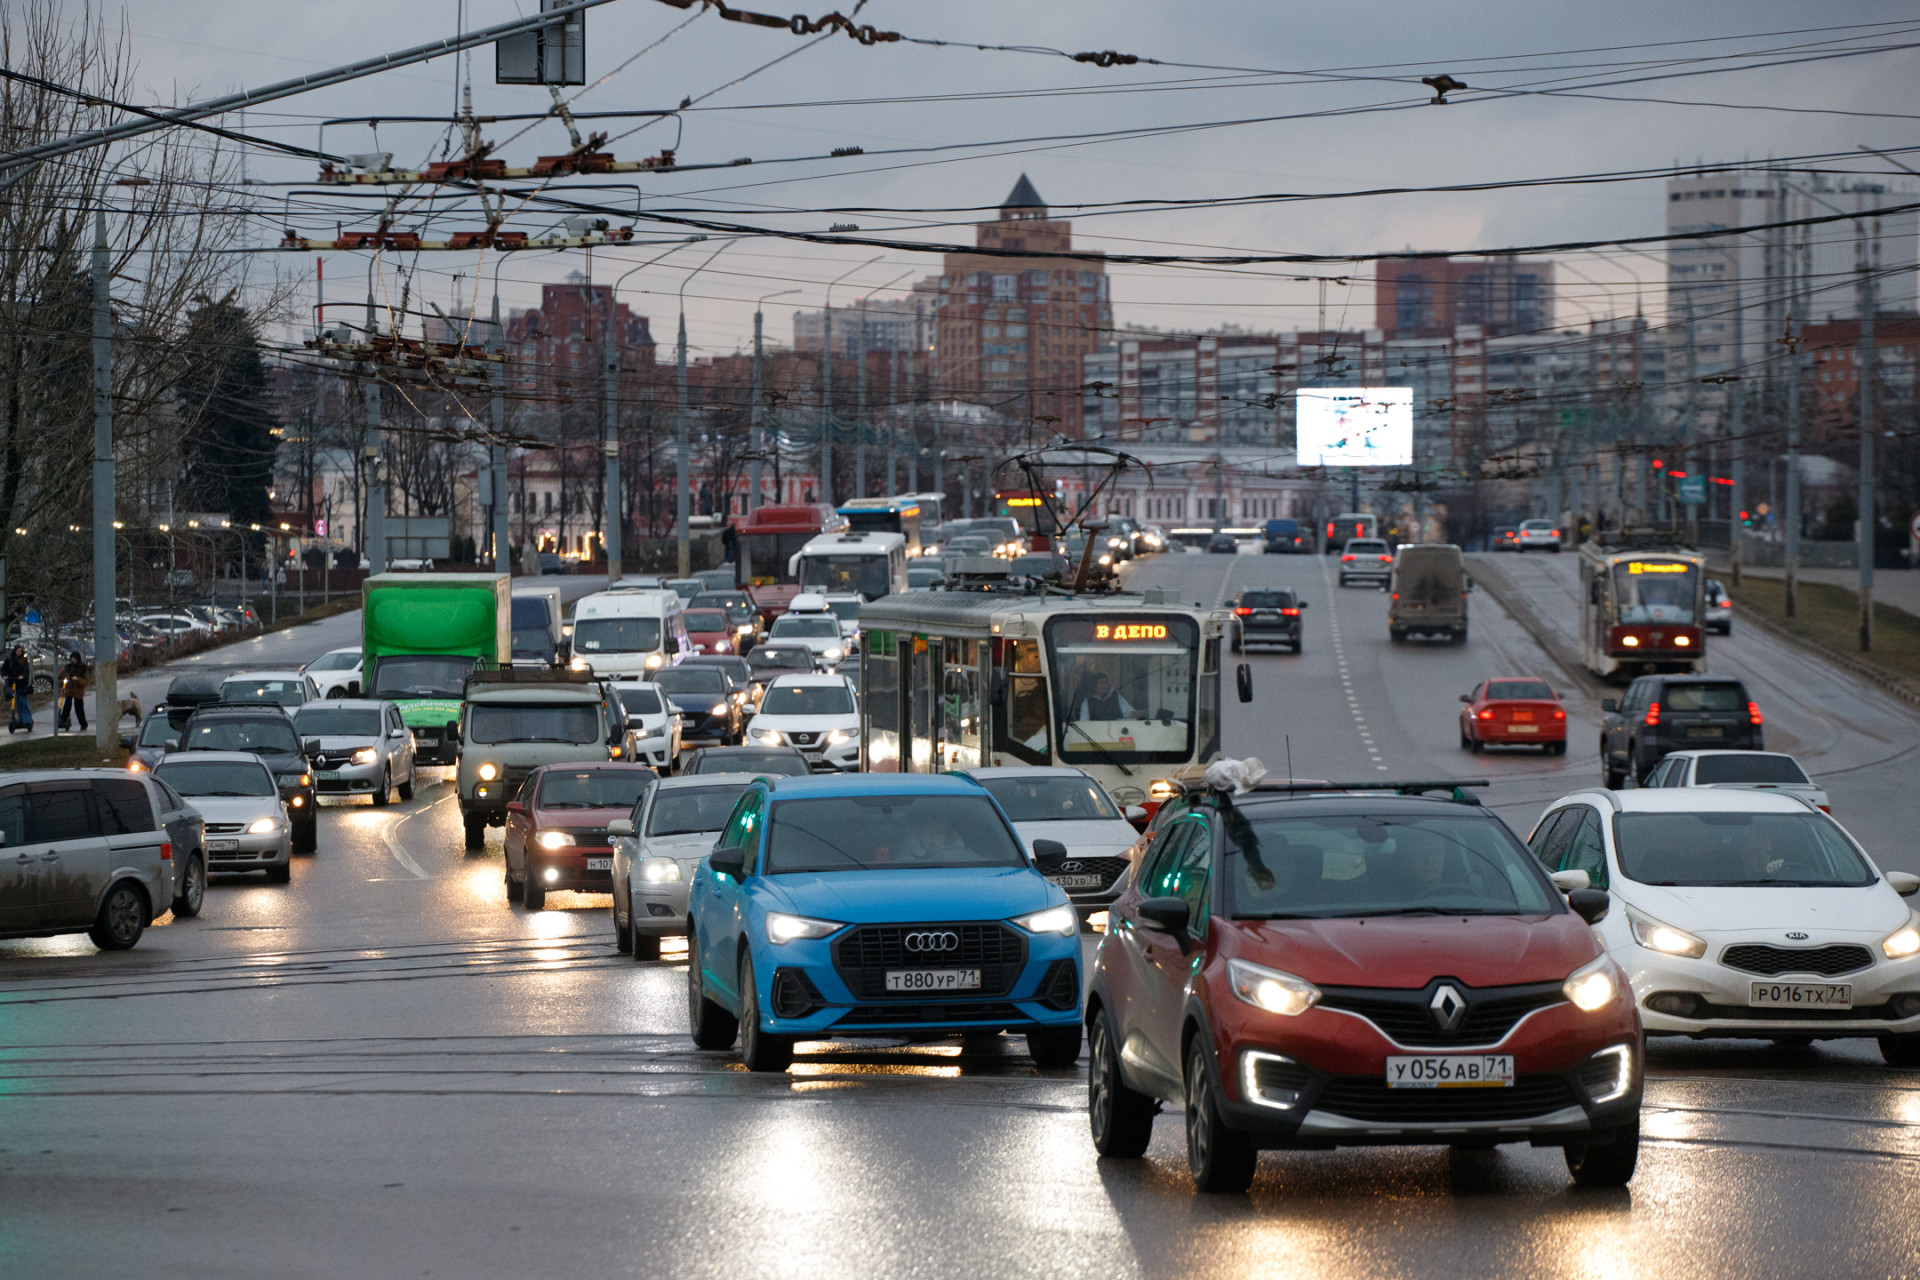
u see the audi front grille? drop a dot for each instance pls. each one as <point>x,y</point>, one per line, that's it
<point>863,955</point>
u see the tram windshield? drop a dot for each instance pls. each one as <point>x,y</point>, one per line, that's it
<point>1655,590</point>
<point>1123,687</point>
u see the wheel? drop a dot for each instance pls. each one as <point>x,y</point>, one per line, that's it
<point>282,874</point>
<point>122,919</point>
<point>1901,1051</point>
<point>759,1051</point>
<point>712,1026</point>
<point>1557,748</point>
<point>532,892</point>
<point>406,788</point>
<point>1121,1119</point>
<point>1051,1047</point>
<point>385,794</point>
<point>622,933</point>
<point>1460,636</point>
<point>515,890</point>
<point>1236,642</point>
<point>1466,743</point>
<point>193,889</point>
<point>306,836</point>
<point>1296,648</point>
<point>1397,637</point>
<point>646,946</point>
<point>1220,1159</point>
<point>476,833</point>
<point>1343,579</point>
<point>1479,748</point>
<point>1611,1165</point>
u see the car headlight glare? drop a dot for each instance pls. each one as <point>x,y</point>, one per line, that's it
<point>783,928</point>
<point>837,736</point>
<point>578,664</point>
<point>834,655</point>
<point>660,871</point>
<point>717,709</point>
<point>488,772</point>
<point>555,839</point>
<point>769,736</point>
<point>1592,986</point>
<point>1272,990</point>
<point>263,826</point>
<point>1901,944</point>
<point>654,660</point>
<point>1664,938</point>
<point>365,755</point>
<point>1064,921</point>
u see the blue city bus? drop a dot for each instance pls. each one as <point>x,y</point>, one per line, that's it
<point>899,515</point>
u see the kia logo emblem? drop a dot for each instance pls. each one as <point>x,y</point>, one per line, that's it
<point>933,940</point>
<point>1796,937</point>
<point>1449,1008</point>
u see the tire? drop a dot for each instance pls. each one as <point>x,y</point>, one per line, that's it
<point>384,796</point>
<point>1343,579</point>
<point>646,946</point>
<point>760,1052</point>
<point>1296,648</point>
<point>406,788</point>
<point>306,836</point>
<point>1901,1051</point>
<point>532,892</point>
<point>193,889</point>
<point>123,917</point>
<point>1611,1165</point>
<point>282,874</point>
<point>1478,747</point>
<point>1220,1159</point>
<point>515,890</point>
<point>1236,642</point>
<point>1054,1047</point>
<point>1461,636</point>
<point>712,1026</point>
<point>1557,748</point>
<point>622,933</point>
<point>476,834</point>
<point>1397,637</point>
<point>1466,743</point>
<point>1120,1118</point>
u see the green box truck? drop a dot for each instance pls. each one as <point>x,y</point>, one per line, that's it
<point>424,634</point>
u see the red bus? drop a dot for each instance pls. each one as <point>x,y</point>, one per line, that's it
<point>768,541</point>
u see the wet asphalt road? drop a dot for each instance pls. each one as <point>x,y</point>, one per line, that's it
<point>383,1069</point>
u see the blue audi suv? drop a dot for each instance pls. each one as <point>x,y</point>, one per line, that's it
<point>877,905</point>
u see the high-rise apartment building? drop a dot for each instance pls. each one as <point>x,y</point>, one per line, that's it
<point>1432,297</point>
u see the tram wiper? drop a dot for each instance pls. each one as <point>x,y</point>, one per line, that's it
<point>1104,753</point>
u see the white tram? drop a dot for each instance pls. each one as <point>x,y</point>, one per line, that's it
<point>1126,687</point>
<point>1642,608</point>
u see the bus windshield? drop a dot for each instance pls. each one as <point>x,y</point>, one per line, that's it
<point>1123,687</point>
<point>1655,590</point>
<point>866,574</point>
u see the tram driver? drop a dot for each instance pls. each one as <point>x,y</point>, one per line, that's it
<point>1100,700</point>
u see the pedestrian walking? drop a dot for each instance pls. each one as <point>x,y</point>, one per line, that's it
<point>73,692</point>
<point>16,675</point>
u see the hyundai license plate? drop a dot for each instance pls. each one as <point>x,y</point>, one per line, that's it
<point>1078,882</point>
<point>1800,995</point>
<point>1450,1071</point>
<point>599,864</point>
<point>933,979</point>
<point>222,846</point>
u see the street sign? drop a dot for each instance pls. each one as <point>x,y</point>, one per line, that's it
<point>1693,490</point>
<point>555,54</point>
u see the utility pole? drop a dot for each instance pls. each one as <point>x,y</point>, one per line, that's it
<point>680,497</point>
<point>1866,366</point>
<point>1790,544</point>
<point>860,402</point>
<point>826,403</point>
<point>1737,472</point>
<point>497,376</point>
<point>756,439</point>
<point>1688,451</point>
<point>106,638</point>
<point>613,512</point>
<point>374,537</point>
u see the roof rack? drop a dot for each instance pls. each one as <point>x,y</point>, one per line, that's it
<point>1456,787</point>
<point>530,675</point>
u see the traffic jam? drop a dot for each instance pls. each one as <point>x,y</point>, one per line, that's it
<point>892,779</point>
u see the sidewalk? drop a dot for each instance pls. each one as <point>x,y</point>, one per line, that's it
<point>1898,588</point>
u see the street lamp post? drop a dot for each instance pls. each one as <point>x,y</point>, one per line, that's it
<point>826,385</point>
<point>681,513</point>
<point>756,439</point>
<point>612,536</point>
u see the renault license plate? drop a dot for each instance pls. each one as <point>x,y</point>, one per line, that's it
<point>1078,882</point>
<point>1800,995</point>
<point>327,775</point>
<point>1450,1071</point>
<point>933,979</point>
<point>599,864</point>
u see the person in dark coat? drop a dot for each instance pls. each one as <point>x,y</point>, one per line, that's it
<point>73,691</point>
<point>16,674</point>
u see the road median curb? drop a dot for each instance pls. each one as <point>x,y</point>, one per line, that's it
<point>1516,605</point>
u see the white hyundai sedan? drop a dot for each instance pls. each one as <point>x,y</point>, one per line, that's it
<point>1745,770</point>
<point>1055,802</point>
<point>1744,914</point>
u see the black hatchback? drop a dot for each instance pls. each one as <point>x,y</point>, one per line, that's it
<point>266,730</point>
<point>1267,617</point>
<point>1670,712</point>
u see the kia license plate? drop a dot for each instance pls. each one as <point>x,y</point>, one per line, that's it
<point>1523,728</point>
<point>1450,1071</point>
<point>222,846</point>
<point>599,864</point>
<point>933,979</point>
<point>1078,882</point>
<point>1800,995</point>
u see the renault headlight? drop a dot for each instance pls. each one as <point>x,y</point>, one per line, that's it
<point>1664,938</point>
<point>488,772</point>
<point>263,827</point>
<point>1593,986</point>
<point>1901,943</point>
<point>365,755</point>
<point>660,871</point>
<point>556,839</point>
<point>1064,921</point>
<point>783,928</point>
<point>1272,990</point>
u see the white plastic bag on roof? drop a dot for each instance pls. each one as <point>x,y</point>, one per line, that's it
<point>1237,776</point>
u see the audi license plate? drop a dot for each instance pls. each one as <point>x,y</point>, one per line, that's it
<point>933,979</point>
<point>599,864</point>
<point>1800,995</point>
<point>1078,882</point>
<point>222,846</point>
<point>1450,1071</point>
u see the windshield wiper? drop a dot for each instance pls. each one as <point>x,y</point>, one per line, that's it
<point>1421,911</point>
<point>1104,753</point>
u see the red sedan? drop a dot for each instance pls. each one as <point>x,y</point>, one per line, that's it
<point>1513,712</point>
<point>709,630</point>
<point>1357,969</point>
<point>557,827</point>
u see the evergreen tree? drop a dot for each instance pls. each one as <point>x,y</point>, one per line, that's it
<point>227,442</point>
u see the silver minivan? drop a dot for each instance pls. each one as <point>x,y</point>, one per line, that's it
<point>96,851</point>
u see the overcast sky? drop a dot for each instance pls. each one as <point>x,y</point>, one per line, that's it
<point>189,49</point>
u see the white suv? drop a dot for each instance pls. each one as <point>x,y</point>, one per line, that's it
<point>1537,535</point>
<point>809,621</point>
<point>1744,914</point>
<point>819,714</point>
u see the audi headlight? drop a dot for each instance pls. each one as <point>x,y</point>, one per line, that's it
<point>1664,938</point>
<point>365,755</point>
<point>488,772</point>
<point>1592,986</point>
<point>1902,943</point>
<point>660,871</point>
<point>1270,989</point>
<point>556,839</point>
<point>783,928</point>
<point>1061,920</point>
<point>263,826</point>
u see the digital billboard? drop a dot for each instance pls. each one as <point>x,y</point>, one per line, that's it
<point>1354,426</point>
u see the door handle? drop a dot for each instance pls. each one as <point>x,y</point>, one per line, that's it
<point>51,855</point>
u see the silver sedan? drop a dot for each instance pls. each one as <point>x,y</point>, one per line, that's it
<point>365,748</point>
<point>657,850</point>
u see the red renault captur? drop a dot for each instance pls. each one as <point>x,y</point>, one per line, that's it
<point>1310,969</point>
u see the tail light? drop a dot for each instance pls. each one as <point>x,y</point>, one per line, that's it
<point>1554,533</point>
<point>1826,809</point>
<point>1753,713</point>
<point>166,851</point>
<point>1396,595</point>
<point>1385,559</point>
<point>1653,714</point>
<point>1486,713</point>
<point>1346,557</point>
<point>1289,613</point>
<point>1559,713</point>
<point>1242,612</point>
<point>1329,531</point>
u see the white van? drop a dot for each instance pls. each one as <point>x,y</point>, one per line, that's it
<point>626,634</point>
<point>872,564</point>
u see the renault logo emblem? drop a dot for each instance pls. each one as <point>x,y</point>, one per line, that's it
<point>933,940</point>
<point>1449,1008</point>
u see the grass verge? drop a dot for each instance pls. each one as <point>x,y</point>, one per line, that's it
<point>1829,618</point>
<point>332,608</point>
<point>74,752</point>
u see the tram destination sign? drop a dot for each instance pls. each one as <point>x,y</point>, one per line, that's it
<point>1129,631</point>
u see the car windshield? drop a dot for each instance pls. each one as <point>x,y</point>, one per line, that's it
<point>532,640</point>
<point>337,722</point>
<point>734,603</point>
<point>807,700</point>
<point>216,778</point>
<point>592,788</point>
<point>494,722</point>
<point>641,702</point>
<point>343,660</point>
<point>687,810</point>
<point>1266,599</point>
<point>1655,590</point>
<point>236,733</point>
<point>686,588</point>
<point>845,610</point>
<point>785,764</point>
<point>1340,865</point>
<point>888,832</point>
<point>764,658</point>
<point>1060,798</point>
<point>692,680</point>
<point>1704,697</point>
<point>1748,766</point>
<point>1519,689</point>
<point>158,731</point>
<point>285,693</point>
<point>1365,547</point>
<point>864,574</point>
<point>421,677</point>
<point>806,627</point>
<point>705,620</point>
<point>616,635</point>
<point>1754,849</point>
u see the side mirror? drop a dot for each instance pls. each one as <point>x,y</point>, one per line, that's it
<point>453,731</point>
<point>1466,697</point>
<point>515,806</point>
<point>620,827</point>
<point>1169,915</point>
<point>729,862</point>
<point>1903,883</point>
<point>1609,705</point>
<point>353,688</point>
<point>311,747</point>
<point>1049,854</point>
<point>1571,881</point>
<point>126,742</point>
<point>1243,682</point>
<point>1300,604</point>
<point>1135,813</point>
<point>1590,904</point>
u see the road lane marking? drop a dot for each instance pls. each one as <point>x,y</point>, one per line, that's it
<point>391,834</point>
<point>1346,676</point>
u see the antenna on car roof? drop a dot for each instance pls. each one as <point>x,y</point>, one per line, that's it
<point>1289,741</point>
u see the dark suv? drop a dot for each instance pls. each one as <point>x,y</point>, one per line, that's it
<point>265,730</point>
<point>1267,617</point>
<point>1667,713</point>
